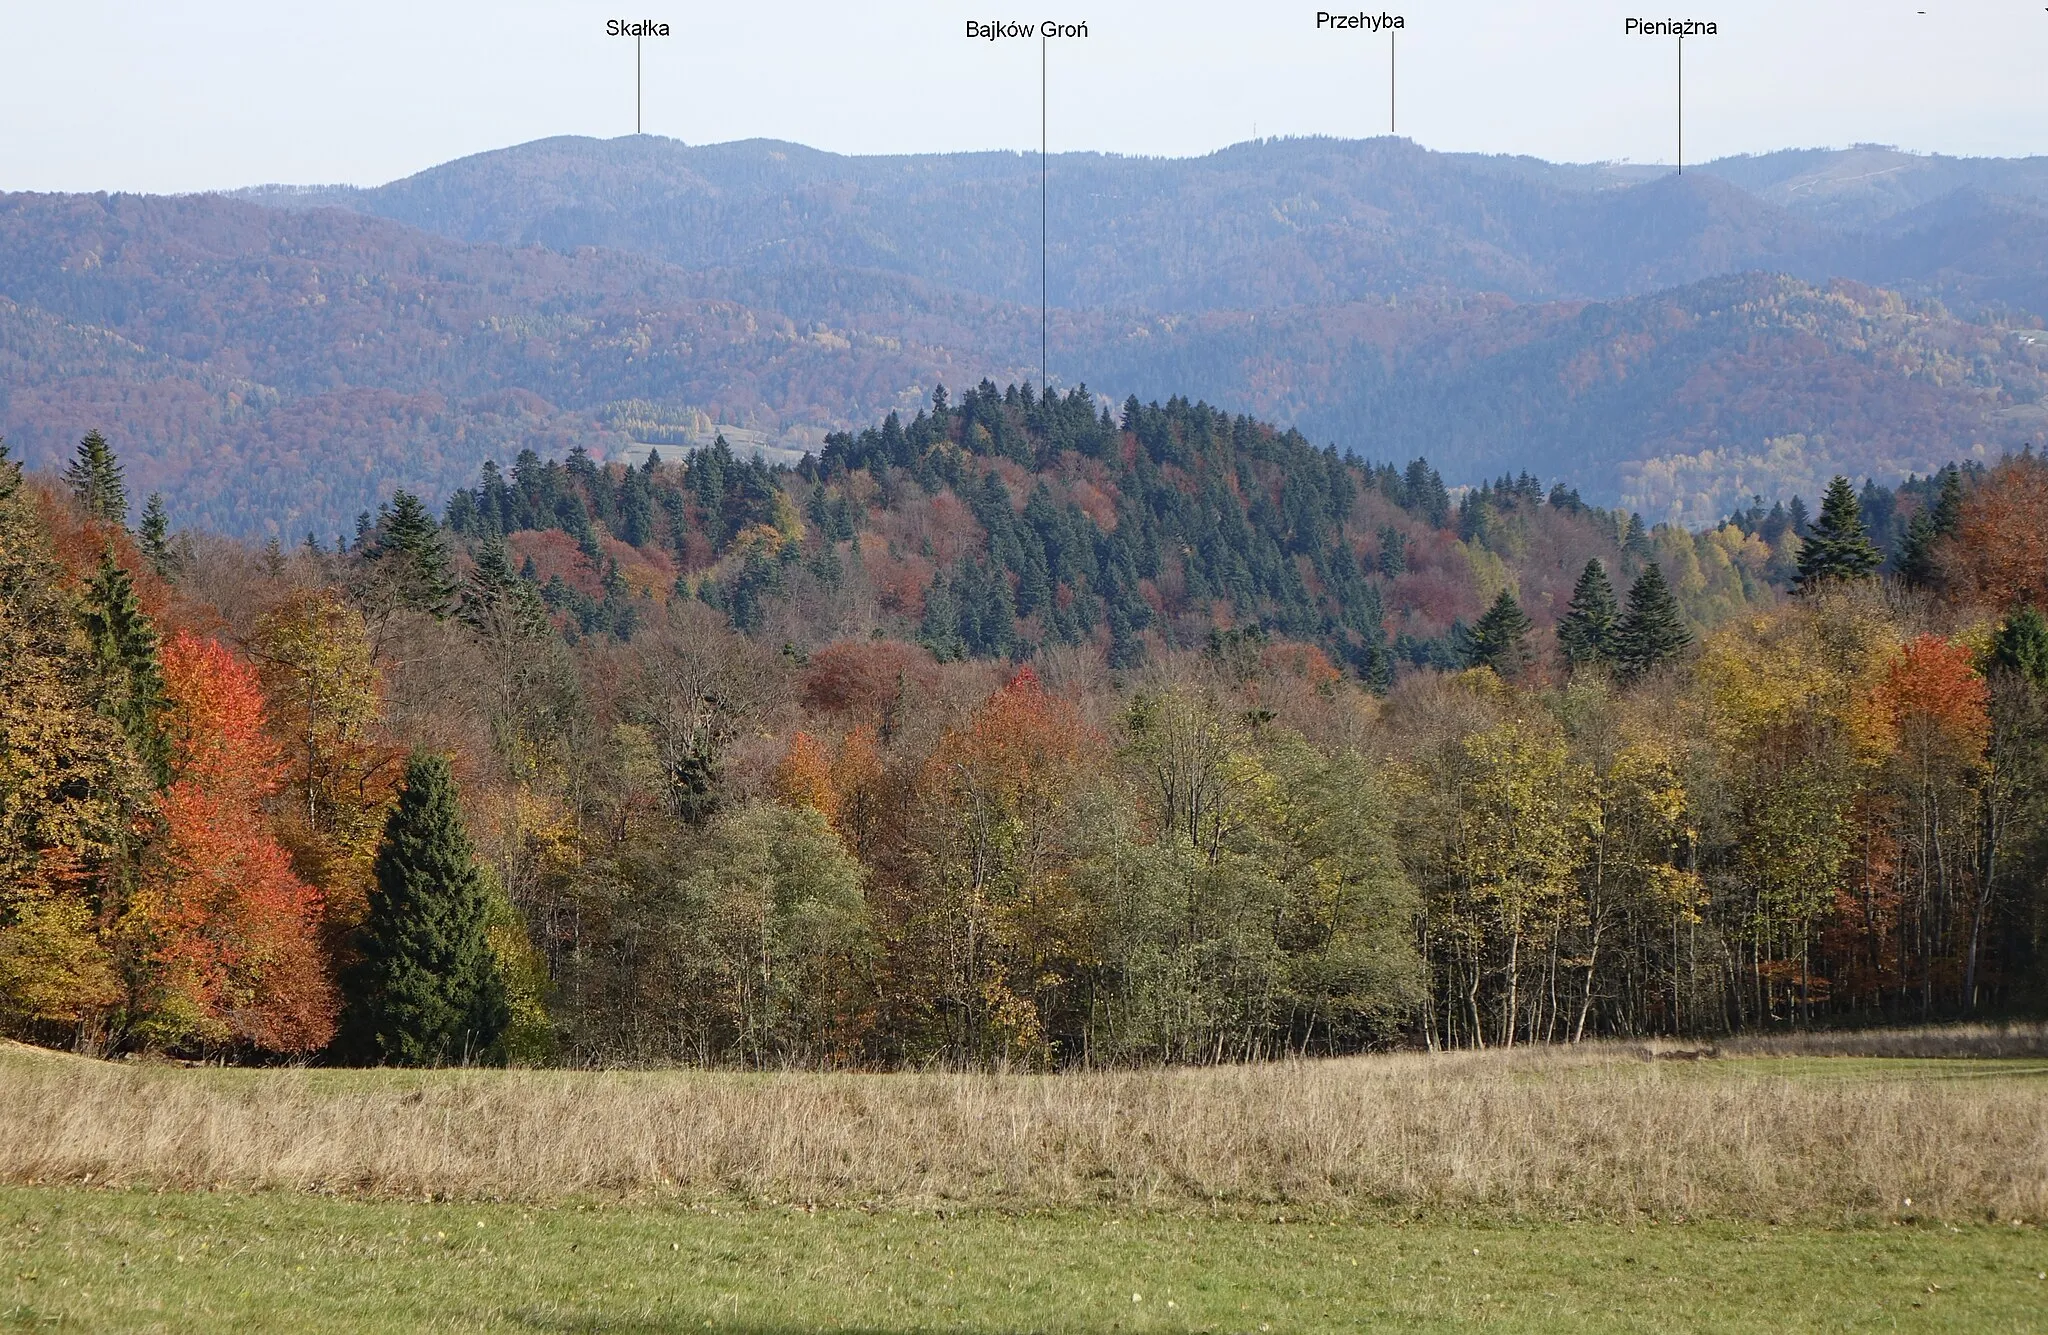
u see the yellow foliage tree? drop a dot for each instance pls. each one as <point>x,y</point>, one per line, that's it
<point>71,792</point>
<point>326,697</point>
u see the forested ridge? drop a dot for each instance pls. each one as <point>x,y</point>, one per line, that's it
<point>1671,347</point>
<point>1021,730</point>
<point>1257,225</point>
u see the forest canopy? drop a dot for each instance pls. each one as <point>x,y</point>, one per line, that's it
<point>1023,730</point>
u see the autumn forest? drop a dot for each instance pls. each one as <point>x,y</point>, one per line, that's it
<point>1025,731</point>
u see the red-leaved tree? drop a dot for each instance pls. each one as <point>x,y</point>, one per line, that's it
<point>225,935</point>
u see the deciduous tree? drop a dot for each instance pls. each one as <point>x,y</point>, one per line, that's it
<point>225,938</point>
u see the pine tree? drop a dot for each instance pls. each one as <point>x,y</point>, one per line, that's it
<point>1635,539</point>
<point>94,476</point>
<point>1424,493</point>
<point>127,675</point>
<point>1498,637</point>
<point>1652,630</point>
<point>1393,561</point>
<point>426,990</point>
<point>2022,647</point>
<point>1587,631</point>
<point>1919,561</point>
<point>155,536</point>
<point>1836,545</point>
<point>497,603</point>
<point>410,559</point>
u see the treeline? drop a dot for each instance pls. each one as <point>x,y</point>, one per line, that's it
<point>1017,731</point>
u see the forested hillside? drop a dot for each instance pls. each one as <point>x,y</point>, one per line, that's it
<point>273,372</point>
<point>1017,730</point>
<point>1686,403</point>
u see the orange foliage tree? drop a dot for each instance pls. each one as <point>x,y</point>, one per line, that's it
<point>2000,549</point>
<point>1000,836</point>
<point>857,782</point>
<point>868,680</point>
<point>842,785</point>
<point>224,936</point>
<point>1921,893</point>
<point>804,778</point>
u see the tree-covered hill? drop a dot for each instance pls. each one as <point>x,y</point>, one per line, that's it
<point>997,524</point>
<point>284,371</point>
<point>278,370</point>
<point>1681,404</point>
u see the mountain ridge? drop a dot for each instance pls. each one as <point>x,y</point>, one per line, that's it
<point>283,368</point>
<point>1405,217</point>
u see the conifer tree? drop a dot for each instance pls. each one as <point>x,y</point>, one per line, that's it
<point>496,602</point>
<point>154,536</point>
<point>410,559</point>
<point>1652,631</point>
<point>1586,633</point>
<point>1635,539</point>
<point>1393,560</point>
<point>94,476</point>
<point>1836,545</point>
<point>2022,647</point>
<point>1918,555</point>
<point>1497,639</point>
<point>127,675</point>
<point>426,990</point>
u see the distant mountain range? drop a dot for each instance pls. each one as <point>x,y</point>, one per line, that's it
<point>281,359</point>
<point>1264,224</point>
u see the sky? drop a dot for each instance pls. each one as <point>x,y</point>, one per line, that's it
<point>207,94</point>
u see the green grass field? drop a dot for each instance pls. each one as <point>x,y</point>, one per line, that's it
<point>79,1259</point>
<point>1531,1191</point>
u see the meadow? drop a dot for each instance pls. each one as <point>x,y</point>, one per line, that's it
<point>1598,1131</point>
<point>1627,1187</point>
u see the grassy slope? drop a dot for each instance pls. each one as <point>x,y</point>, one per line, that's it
<point>115,1260</point>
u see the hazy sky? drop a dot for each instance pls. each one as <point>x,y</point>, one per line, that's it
<point>196,94</point>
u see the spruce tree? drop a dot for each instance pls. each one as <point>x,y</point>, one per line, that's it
<point>1635,539</point>
<point>426,990</point>
<point>410,558</point>
<point>1919,560</point>
<point>128,680</point>
<point>94,476</point>
<point>2022,647</point>
<point>501,606</point>
<point>1586,632</point>
<point>1497,637</point>
<point>154,536</point>
<point>1652,631</point>
<point>1393,561</point>
<point>1836,545</point>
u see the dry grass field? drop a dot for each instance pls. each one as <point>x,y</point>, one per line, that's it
<point>1600,1132</point>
